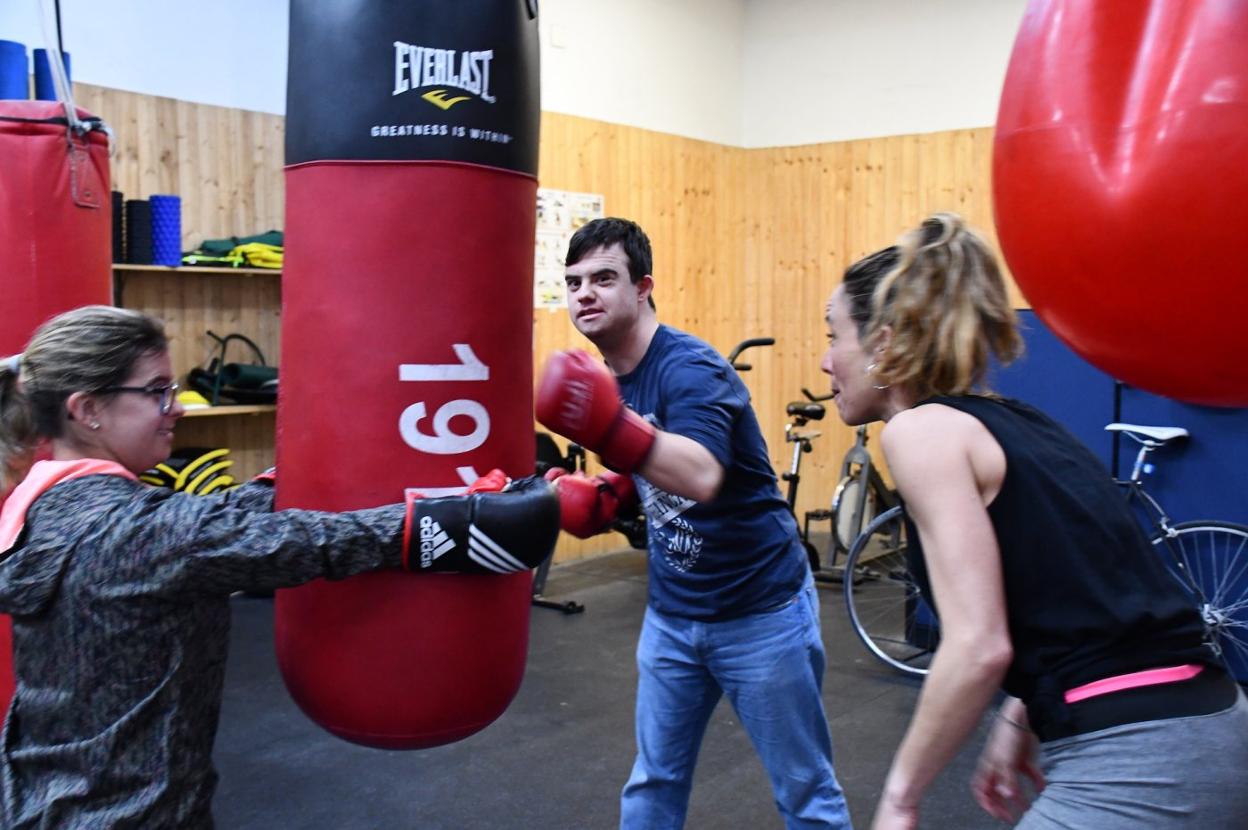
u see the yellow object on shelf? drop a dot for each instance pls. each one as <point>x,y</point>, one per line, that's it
<point>190,399</point>
<point>230,409</point>
<point>259,255</point>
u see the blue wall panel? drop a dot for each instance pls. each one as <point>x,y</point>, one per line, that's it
<point>1064,386</point>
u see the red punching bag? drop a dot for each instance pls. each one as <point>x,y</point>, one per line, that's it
<point>55,217</point>
<point>1120,184</point>
<point>407,350</point>
<point>56,235</point>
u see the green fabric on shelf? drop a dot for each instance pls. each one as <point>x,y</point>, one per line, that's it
<point>221,247</point>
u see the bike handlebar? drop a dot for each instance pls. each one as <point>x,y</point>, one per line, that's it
<point>747,344</point>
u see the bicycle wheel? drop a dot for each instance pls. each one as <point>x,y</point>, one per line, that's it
<point>885,609</point>
<point>844,529</point>
<point>1214,557</point>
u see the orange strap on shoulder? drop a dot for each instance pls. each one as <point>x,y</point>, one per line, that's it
<point>43,476</point>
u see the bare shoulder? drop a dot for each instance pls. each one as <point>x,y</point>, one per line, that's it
<point>931,427</point>
<point>935,442</point>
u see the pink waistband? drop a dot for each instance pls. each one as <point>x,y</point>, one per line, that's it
<point>1150,677</point>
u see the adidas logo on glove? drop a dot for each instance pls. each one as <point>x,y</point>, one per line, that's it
<point>484,533</point>
<point>433,541</point>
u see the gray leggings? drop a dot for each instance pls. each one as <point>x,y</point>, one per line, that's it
<point>1177,773</point>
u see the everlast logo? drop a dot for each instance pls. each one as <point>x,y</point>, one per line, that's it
<point>417,67</point>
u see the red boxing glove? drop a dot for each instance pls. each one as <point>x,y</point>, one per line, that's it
<point>622,487</point>
<point>588,506</point>
<point>495,481</point>
<point>578,503</point>
<point>578,398</point>
<point>492,482</point>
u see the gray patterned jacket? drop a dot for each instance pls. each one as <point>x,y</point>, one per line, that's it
<point>119,595</point>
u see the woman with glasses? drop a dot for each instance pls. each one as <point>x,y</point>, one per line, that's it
<point>119,592</point>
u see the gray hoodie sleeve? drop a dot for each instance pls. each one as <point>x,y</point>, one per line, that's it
<point>256,495</point>
<point>173,543</point>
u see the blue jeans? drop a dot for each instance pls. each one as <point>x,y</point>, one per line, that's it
<point>771,667</point>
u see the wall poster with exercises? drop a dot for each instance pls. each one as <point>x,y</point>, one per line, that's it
<point>559,214</point>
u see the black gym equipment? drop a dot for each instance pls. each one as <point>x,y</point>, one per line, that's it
<point>549,457</point>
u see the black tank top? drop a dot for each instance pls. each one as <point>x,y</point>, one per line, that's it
<point>1086,595</point>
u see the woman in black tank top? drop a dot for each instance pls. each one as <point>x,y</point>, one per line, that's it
<point>1044,584</point>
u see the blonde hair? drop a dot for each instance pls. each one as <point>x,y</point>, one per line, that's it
<point>940,294</point>
<point>84,350</point>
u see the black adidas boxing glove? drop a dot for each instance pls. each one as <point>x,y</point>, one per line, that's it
<point>490,532</point>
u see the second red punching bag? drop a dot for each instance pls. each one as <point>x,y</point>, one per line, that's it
<point>55,232</point>
<point>55,217</point>
<point>411,154</point>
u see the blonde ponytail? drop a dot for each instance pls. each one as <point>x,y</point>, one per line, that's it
<point>941,296</point>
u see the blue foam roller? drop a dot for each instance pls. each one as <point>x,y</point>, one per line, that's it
<point>14,71</point>
<point>45,87</point>
<point>166,230</point>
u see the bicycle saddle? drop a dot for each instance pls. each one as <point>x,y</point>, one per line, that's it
<point>809,411</point>
<point>1161,434</point>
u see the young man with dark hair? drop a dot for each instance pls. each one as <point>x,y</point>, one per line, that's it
<point>732,606</point>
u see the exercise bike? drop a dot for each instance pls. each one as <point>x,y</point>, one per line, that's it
<point>859,496</point>
<point>795,433</point>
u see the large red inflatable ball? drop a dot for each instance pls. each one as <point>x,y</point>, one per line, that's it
<point>1120,184</point>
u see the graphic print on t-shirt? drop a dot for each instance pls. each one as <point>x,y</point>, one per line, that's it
<point>681,543</point>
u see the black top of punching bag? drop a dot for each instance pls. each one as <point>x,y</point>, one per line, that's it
<point>401,80</point>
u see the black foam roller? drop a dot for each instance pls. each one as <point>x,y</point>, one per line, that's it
<point>139,232</point>
<point>119,226</point>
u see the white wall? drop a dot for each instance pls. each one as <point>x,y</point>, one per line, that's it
<point>226,52</point>
<point>751,73</point>
<point>667,65</point>
<point>831,70</point>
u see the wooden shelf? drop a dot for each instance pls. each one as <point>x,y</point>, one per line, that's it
<point>248,409</point>
<point>197,269</point>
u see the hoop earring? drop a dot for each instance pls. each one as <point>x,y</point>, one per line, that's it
<point>870,370</point>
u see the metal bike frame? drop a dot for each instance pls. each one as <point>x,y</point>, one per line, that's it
<point>859,465</point>
<point>1162,527</point>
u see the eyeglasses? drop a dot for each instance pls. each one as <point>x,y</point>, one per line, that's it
<point>168,394</point>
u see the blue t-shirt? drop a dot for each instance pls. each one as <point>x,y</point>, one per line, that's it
<point>740,554</point>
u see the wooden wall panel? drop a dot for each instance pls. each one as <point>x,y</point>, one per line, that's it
<point>226,164</point>
<point>810,212</point>
<point>747,243</point>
